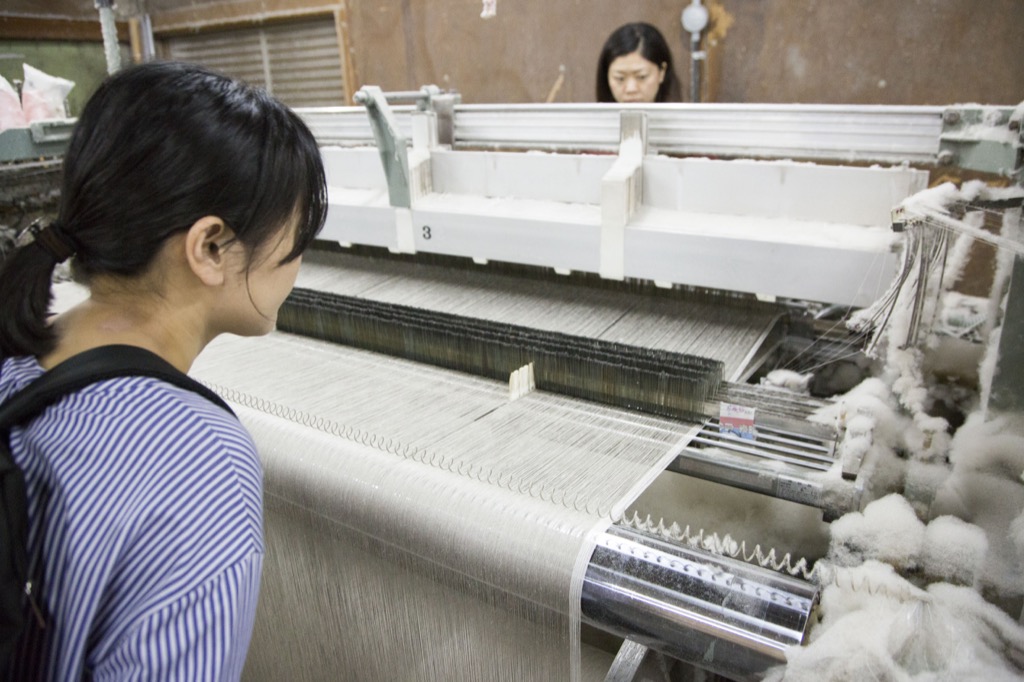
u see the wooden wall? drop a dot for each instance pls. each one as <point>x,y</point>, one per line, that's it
<point>806,51</point>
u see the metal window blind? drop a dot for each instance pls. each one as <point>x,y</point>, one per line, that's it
<point>298,62</point>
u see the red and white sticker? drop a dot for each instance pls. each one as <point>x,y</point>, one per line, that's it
<point>737,420</point>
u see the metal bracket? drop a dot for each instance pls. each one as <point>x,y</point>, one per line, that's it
<point>985,139</point>
<point>49,132</point>
<point>901,222</point>
<point>991,139</point>
<point>391,143</point>
<point>444,106</point>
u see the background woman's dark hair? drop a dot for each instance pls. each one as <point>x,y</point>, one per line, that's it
<point>628,39</point>
<point>157,147</point>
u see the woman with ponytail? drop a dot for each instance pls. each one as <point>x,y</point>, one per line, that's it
<point>187,201</point>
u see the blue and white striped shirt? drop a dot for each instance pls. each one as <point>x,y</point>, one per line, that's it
<point>145,507</point>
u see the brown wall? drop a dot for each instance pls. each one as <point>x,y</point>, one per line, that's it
<point>871,52</point>
<point>807,51</point>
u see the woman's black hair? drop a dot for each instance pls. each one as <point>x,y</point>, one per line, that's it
<point>157,147</point>
<point>627,39</point>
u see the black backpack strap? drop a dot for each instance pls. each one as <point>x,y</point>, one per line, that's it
<point>84,369</point>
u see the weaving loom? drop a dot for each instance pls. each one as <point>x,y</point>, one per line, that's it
<point>424,523</point>
<point>499,363</point>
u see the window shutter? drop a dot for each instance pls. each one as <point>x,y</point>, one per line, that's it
<point>297,62</point>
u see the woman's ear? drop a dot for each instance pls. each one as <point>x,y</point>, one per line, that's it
<point>204,249</point>
<point>662,72</point>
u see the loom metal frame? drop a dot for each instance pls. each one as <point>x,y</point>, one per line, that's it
<point>637,213</point>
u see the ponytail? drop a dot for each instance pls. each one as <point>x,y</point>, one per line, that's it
<point>25,294</point>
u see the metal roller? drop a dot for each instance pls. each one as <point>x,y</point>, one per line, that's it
<point>725,616</point>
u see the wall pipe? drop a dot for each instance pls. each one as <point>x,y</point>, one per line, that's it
<point>695,20</point>
<point>109,28</point>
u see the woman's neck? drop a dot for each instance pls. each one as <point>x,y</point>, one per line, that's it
<point>175,332</point>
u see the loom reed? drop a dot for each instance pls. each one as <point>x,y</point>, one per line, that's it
<point>655,381</point>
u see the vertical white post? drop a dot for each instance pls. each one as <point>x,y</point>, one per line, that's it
<point>622,193</point>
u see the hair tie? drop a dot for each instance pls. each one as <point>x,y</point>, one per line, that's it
<point>52,238</point>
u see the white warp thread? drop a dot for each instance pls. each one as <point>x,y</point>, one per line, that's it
<point>419,525</point>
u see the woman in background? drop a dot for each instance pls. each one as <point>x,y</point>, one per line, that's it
<point>636,67</point>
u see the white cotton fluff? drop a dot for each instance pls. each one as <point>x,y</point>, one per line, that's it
<point>889,427</point>
<point>836,492</point>
<point>1017,115</point>
<point>992,503</point>
<point>884,472</point>
<point>853,449</point>
<point>957,259</point>
<point>834,656</point>
<point>861,425</point>
<point>871,432</point>
<point>921,482</point>
<point>955,635</point>
<point>870,398</point>
<point>935,198</point>
<point>851,642</point>
<point>921,638</point>
<point>787,379</point>
<point>870,585</point>
<point>994,446</point>
<point>857,441</point>
<point>929,440</point>
<point>953,551</point>
<point>871,442</point>
<point>888,530</point>
<point>875,626</point>
<point>908,384</point>
<point>955,358</point>
<point>989,645</point>
<point>836,411</point>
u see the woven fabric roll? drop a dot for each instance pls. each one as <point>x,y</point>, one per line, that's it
<point>419,525</point>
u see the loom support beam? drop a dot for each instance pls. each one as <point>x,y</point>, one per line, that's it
<point>1007,390</point>
<point>636,663</point>
<point>991,140</point>
<point>789,229</point>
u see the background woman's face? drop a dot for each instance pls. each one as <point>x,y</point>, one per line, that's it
<point>634,79</point>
